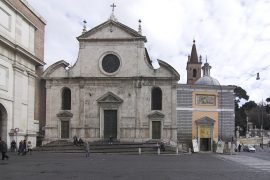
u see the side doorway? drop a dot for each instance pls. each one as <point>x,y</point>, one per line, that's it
<point>156,129</point>
<point>64,129</point>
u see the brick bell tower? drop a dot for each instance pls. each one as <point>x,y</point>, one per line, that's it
<point>194,66</point>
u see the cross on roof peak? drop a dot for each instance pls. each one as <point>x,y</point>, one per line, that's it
<point>113,6</point>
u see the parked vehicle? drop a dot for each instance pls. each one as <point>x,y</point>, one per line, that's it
<point>249,148</point>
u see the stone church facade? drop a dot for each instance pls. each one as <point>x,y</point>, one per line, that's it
<point>112,90</point>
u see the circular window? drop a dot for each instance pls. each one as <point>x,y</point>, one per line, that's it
<point>110,63</point>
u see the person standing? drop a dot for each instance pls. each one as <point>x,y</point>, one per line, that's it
<point>3,149</point>
<point>87,149</point>
<point>20,151</point>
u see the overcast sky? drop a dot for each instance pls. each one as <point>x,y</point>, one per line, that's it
<point>233,34</point>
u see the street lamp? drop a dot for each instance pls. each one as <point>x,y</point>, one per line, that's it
<point>258,78</point>
<point>247,133</point>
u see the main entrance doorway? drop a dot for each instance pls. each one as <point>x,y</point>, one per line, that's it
<point>156,129</point>
<point>110,123</point>
<point>205,137</point>
<point>64,129</point>
<point>205,144</point>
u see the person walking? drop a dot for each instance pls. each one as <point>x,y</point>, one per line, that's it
<point>20,151</point>
<point>13,146</point>
<point>239,147</point>
<point>24,146</point>
<point>87,149</point>
<point>29,147</point>
<point>3,149</point>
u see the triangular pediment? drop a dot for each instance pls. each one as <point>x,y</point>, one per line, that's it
<point>111,30</point>
<point>109,98</point>
<point>156,115</point>
<point>64,114</point>
<point>205,121</point>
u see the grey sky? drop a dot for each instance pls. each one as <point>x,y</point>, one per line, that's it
<point>233,34</point>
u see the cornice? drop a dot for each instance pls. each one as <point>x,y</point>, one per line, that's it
<point>21,50</point>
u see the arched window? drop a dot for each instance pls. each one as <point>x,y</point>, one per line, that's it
<point>66,99</point>
<point>194,73</point>
<point>156,98</point>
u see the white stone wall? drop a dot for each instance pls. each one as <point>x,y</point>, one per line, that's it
<point>133,112</point>
<point>17,76</point>
<point>16,28</point>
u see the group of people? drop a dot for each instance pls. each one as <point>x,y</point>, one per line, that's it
<point>77,142</point>
<point>80,142</point>
<point>24,147</point>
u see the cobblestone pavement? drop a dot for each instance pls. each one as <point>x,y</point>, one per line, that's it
<point>258,162</point>
<point>46,166</point>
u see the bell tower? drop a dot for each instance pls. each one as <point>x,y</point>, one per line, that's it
<point>194,66</point>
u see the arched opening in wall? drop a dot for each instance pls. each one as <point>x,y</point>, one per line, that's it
<point>156,99</point>
<point>66,99</point>
<point>194,74</point>
<point>3,122</point>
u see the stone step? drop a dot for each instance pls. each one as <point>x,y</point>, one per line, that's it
<point>104,147</point>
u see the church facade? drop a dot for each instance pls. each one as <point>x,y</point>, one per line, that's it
<point>112,91</point>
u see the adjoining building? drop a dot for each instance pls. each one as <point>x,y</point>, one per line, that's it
<point>21,63</point>
<point>205,109</point>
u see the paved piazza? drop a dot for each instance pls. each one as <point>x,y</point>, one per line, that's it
<point>49,166</point>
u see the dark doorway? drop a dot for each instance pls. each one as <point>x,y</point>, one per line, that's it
<point>205,144</point>
<point>156,129</point>
<point>110,124</point>
<point>1,121</point>
<point>64,129</point>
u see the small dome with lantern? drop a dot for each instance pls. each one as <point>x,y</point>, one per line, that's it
<point>207,79</point>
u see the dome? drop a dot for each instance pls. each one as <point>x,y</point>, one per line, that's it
<point>207,80</point>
